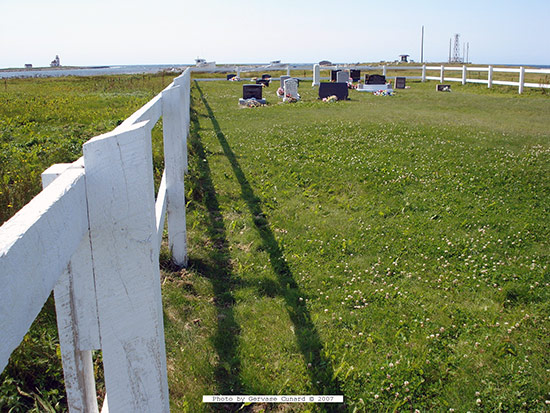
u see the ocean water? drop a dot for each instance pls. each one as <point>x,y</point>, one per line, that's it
<point>133,69</point>
<point>92,71</point>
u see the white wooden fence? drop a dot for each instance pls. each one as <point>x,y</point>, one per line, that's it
<point>93,237</point>
<point>444,70</point>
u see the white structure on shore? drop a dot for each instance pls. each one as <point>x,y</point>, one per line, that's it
<point>55,62</point>
<point>203,64</point>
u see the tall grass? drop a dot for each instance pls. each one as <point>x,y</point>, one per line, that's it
<point>42,122</point>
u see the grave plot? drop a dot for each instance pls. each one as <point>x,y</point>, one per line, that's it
<point>366,235</point>
<point>291,90</point>
<point>252,96</point>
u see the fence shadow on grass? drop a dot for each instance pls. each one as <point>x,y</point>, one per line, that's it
<point>217,268</point>
<point>321,373</point>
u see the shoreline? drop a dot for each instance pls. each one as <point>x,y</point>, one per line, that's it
<point>41,69</point>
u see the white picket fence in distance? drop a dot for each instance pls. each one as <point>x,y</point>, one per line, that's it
<point>443,72</point>
<point>93,237</point>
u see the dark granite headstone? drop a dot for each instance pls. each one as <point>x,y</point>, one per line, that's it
<point>375,80</point>
<point>355,75</point>
<point>266,76</point>
<point>340,90</point>
<point>262,82</point>
<point>443,88</point>
<point>252,91</point>
<point>333,75</point>
<point>231,76</point>
<point>283,78</point>
<point>400,82</point>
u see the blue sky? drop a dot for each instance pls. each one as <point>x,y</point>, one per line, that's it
<point>110,32</point>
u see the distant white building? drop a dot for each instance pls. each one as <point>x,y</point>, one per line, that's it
<point>55,62</point>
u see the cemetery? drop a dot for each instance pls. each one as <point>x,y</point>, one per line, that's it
<point>390,250</point>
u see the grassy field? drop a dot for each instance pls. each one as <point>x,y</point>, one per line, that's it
<point>394,250</point>
<point>390,249</point>
<point>46,121</point>
<point>42,122</point>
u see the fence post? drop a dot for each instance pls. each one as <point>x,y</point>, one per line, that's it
<point>521,79</point>
<point>184,82</point>
<point>490,77</point>
<point>442,74</point>
<point>76,312</point>
<point>316,75</point>
<point>288,70</point>
<point>175,149</point>
<point>464,74</point>
<point>423,73</point>
<point>384,70</point>
<point>121,208</point>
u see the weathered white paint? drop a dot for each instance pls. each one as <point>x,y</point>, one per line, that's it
<point>113,300</point>
<point>151,111</point>
<point>35,248</point>
<point>442,74</point>
<point>184,81</point>
<point>77,323</point>
<point>490,77</point>
<point>160,209</point>
<point>464,71</point>
<point>384,70</point>
<point>123,235</point>
<point>423,73</point>
<point>174,161</point>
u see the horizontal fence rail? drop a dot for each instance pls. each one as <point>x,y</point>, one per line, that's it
<point>423,70</point>
<point>92,236</point>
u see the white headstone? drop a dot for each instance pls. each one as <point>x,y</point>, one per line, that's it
<point>291,89</point>
<point>316,75</point>
<point>342,76</point>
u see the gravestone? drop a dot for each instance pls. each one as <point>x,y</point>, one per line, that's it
<point>443,88</point>
<point>400,82</point>
<point>283,78</point>
<point>340,90</point>
<point>342,76</point>
<point>333,75</point>
<point>291,90</point>
<point>355,75</point>
<point>262,82</point>
<point>252,91</point>
<point>375,80</point>
<point>231,76</point>
<point>252,96</point>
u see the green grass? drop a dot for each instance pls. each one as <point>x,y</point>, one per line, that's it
<point>376,246</point>
<point>46,121</point>
<point>42,122</point>
<point>390,249</point>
